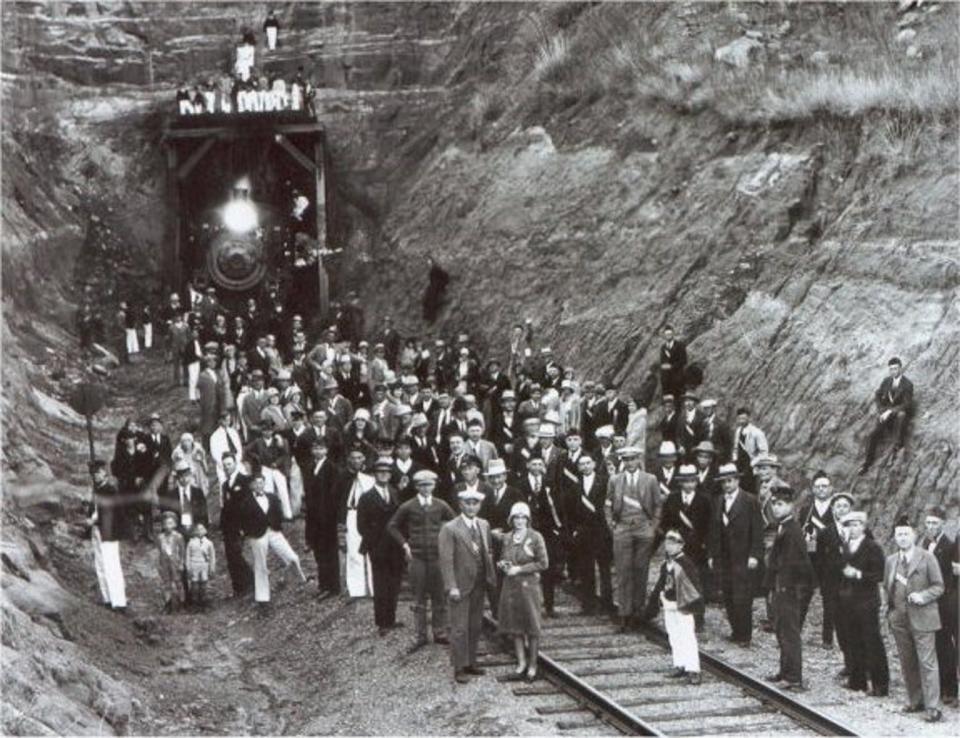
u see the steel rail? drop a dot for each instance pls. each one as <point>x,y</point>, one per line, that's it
<point>602,706</point>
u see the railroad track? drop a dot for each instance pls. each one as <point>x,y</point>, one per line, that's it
<point>598,680</point>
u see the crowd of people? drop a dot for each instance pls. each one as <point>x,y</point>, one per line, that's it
<point>245,90</point>
<point>493,479</point>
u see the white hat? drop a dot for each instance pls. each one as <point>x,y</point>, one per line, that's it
<point>424,475</point>
<point>474,414</point>
<point>410,380</point>
<point>546,431</point>
<point>495,466</point>
<point>389,377</point>
<point>566,384</point>
<point>402,409</point>
<point>519,508</point>
<point>708,403</point>
<point>627,451</point>
<point>604,431</point>
<point>419,419</point>
<point>667,448</point>
<point>470,494</point>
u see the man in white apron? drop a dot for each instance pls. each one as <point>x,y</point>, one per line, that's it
<point>358,574</point>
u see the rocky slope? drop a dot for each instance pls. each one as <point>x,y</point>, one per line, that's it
<point>780,182</point>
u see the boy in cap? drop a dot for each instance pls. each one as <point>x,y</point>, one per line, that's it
<point>859,603</point>
<point>200,562</point>
<point>788,578</point>
<point>678,592</point>
<point>944,549</point>
<point>415,526</point>
<point>170,560</point>
<point>466,566</point>
<point>913,583</point>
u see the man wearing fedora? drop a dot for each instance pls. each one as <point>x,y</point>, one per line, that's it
<point>500,497</point>
<point>635,509</point>
<point>858,598</point>
<point>714,430</point>
<point>689,426</point>
<point>735,548</point>
<point>913,584</point>
<point>788,577</point>
<point>544,496</point>
<point>944,549</point>
<point>591,540</point>
<point>667,469</point>
<point>689,511</point>
<point>766,467</point>
<point>705,458</point>
<point>186,500</point>
<point>466,566</point>
<point>374,511</point>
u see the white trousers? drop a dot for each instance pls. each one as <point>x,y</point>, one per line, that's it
<point>106,559</point>
<point>359,574</point>
<point>274,541</point>
<point>272,38</point>
<point>683,637</point>
<point>186,107</point>
<point>193,375</point>
<point>98,565</point>
<point>274,483</point>
<point>295,484</point>
<point>148,335</point>
<point>133,344</point>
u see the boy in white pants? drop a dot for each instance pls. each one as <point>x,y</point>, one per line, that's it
<point>678,593</point>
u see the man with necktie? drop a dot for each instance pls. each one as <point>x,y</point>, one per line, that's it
<point>635,507</point>
<point>374,511</point>
<point>591,536</point>
<point>815,520</point>
<point>944,550</point>
<point>466,566</point>
<point>735,548</point>
<point>233,489</point>
<point>548,519</point>
<point>894,401</point>
<point>321,485</point>
<point>914,583</point>
<point>225,440</point>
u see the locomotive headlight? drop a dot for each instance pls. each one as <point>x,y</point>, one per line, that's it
<point>240,216</point>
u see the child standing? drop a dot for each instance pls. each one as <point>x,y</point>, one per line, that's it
<point>678,592</point>
<point>170,543</point>
<point>200,564</point>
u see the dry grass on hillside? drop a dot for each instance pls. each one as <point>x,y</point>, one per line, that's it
<point>633,51</point>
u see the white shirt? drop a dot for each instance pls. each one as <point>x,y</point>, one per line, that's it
<point>821,507</point>
<point>471,522</point>
<point>262,501</point>
<point>317,466</point>
<point>728,500</point>
<point>424,501</point>
<point>384,493</point>
<point>855,544</point>
<point>588,483</point>
<point>687,497</point>
<point>536,483</point>
<point>499,493</point>
<point>404,465</point>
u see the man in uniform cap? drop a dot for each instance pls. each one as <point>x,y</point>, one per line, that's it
<point>788,577</point>
<point>415,526</point>
<point>913,583</point>
<point>466,565</point>
<point>635,507</point>
<point>859,606</point>
<point>944,549</point>
<point>735,547</point>
<point>374,511</point>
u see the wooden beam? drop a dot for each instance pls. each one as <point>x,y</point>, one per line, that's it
<point>184,171</point>
<point>243,129</point>
<point>302,159</point>
<point>321,215</point>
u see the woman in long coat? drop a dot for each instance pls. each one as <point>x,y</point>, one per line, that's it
<point>523,556</point>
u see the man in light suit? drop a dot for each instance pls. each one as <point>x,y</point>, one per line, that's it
<point>749,442</point>
<point>635,507</point>
<point>894,400</point>
<point>944,549</point>
<point>466,566</point>
<point>479,446</point>
<point>914,583</point>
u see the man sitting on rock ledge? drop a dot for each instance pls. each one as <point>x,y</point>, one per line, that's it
<point>894,401</point>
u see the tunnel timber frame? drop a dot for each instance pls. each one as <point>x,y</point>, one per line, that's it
<point>182,159</point>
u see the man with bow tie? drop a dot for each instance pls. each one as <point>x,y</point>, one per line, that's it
<point>374,511</point>
<point>635,510</point>
<point>734,549</point>
<point>689,511</point>
<point>816,518</point>
<point>466,566</point>
<point>233,489</point>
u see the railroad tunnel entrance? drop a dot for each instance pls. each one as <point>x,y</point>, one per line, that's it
<point>247,207</point>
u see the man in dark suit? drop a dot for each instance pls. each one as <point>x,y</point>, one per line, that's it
<point>715,431</point>
<point>505,428</point>
<point>319,428</point>
<point>611,410</point>
<point>548,517</point>
<point>669,420</point>
<point>591,536</point>
<point>320,490</point>
<point>261,521</point>
<point>894,400</point>
<point>816,521</point>
<point>466,566</point>
<point>500,497</point>
<point>232,492</point>
<point>187,501</point>
<point>666,471</point>
<point>673,362</point>
<point>159,447</point>
<point>404,467</point>
<point>423,450</point>
<point>788,577</point>
<point>689,426</point>
<point>734,549</point>
<point>859,605</point>
<point>937,542</point>
<point>690,512</point>
<point>705,456</point>
<point>374,511</point>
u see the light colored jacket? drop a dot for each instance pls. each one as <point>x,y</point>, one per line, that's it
<point>924,578</point>
<point>638,507</point>
<point>459,559</point>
